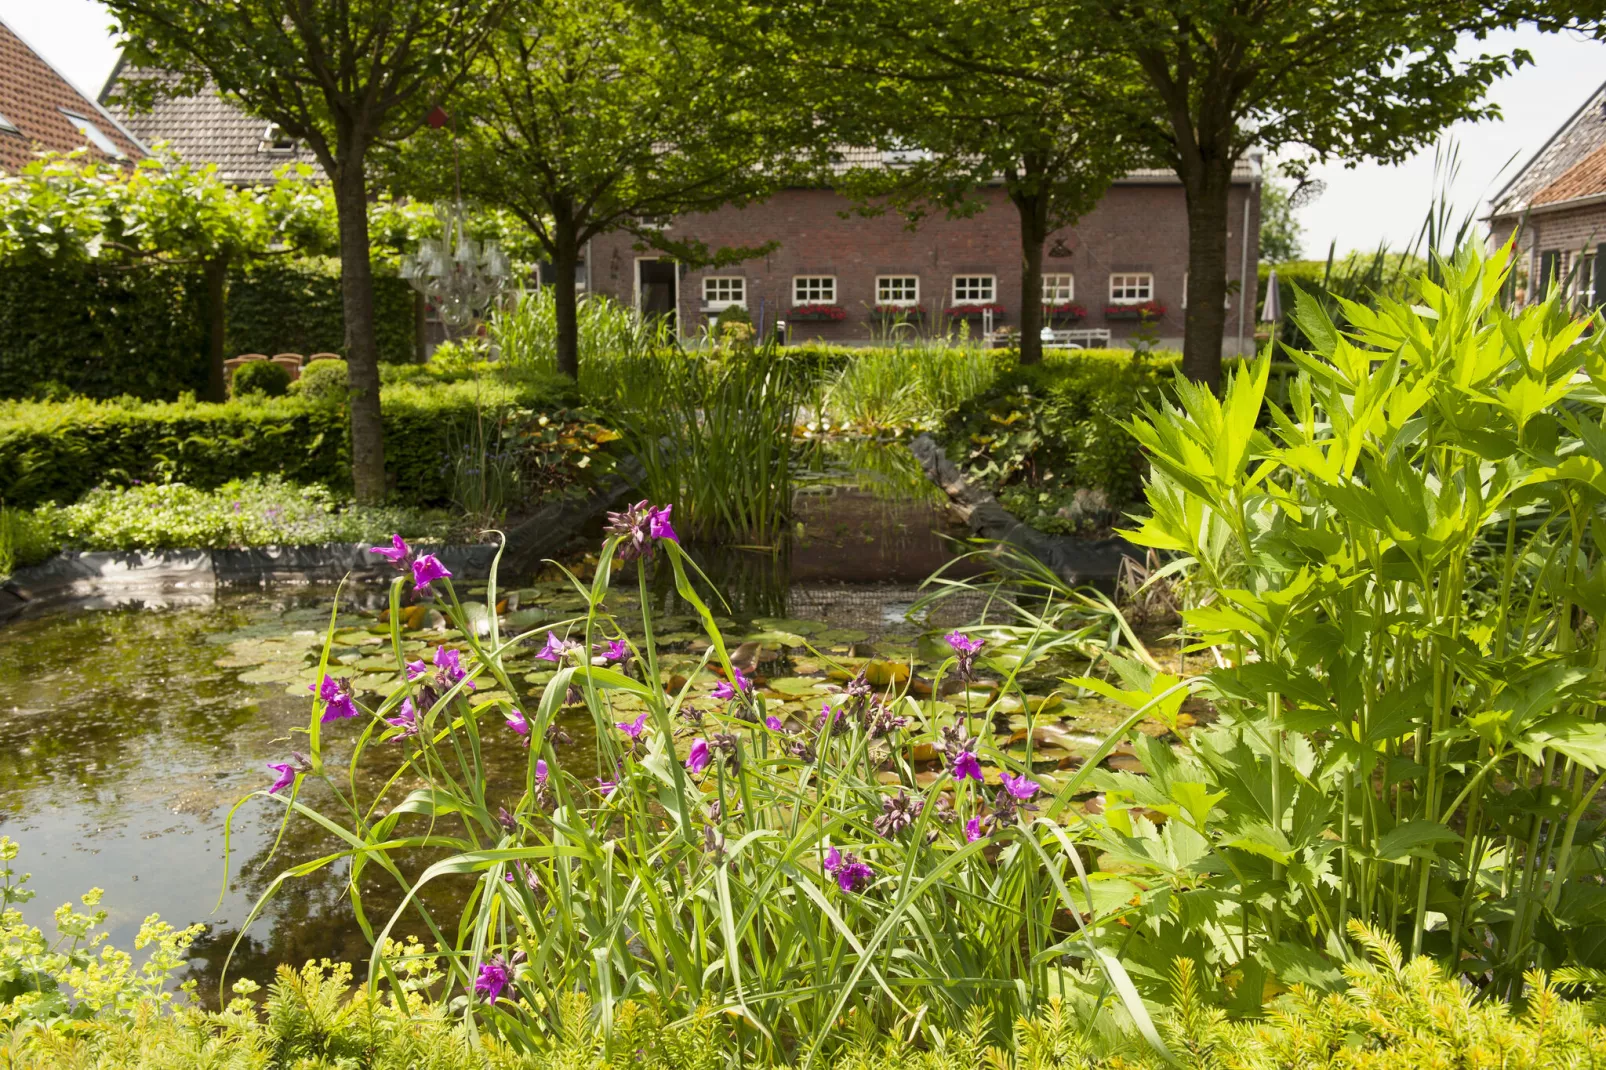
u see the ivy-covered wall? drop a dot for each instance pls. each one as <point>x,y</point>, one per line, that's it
<point>105,330</point>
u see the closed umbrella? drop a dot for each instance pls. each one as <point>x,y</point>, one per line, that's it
<point>1272,310</point>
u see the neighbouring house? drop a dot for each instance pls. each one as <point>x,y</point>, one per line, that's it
<point>41,111</point>
<point>1556,205</point>
<point>840,277</point>
<point>202,128</point>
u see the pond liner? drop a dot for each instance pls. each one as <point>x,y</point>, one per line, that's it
<point>1077,561</point>
<point>102,578</point>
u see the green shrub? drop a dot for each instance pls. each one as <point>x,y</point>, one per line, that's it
<point>1039,435</point>
<point>58,451</point>
<point>25,539</point>
<point>262,377</point>
<point>324,381</point>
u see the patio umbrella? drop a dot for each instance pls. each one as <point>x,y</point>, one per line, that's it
<point>1272,310</point>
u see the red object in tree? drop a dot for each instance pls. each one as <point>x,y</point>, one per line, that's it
<point>437,117</point>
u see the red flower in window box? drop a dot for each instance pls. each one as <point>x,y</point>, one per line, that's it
<point>817,313</point>
<point>900,310</point>
<point>961,311</point>
<point>1065,310</point>
<point>1151,309</point>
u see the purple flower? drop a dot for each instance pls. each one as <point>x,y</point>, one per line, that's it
<point>415,670</point>
<point>450,663</point>
<point>774,724</point>
<point>973,830</point>
<point>287,776</point>
<point>639,527</point>
<point>613,652</point>
<point>1020,787</point>
<point>556,648</point>
<point>606,786</point>
<point>965,650</point>
<point>698,757</point>
<point>540,771</point>
<point>850,873</point>
<point>336,696</point>
<point>426,570</point>
<point>658,524</point>
<point>516,721</point>
<point>495,975</point>
<point>633,729</point>
<point>726,690</point>
<point>967,765</point>
<point>398,551</point>
<point>406,719</point>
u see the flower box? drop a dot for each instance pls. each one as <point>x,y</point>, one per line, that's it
<point>1068,313</point>
<point>1151,309</point>
<point>816,314</point>
<point>975,311</point>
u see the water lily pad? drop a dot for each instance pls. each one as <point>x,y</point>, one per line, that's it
<point>776,638</point>
<point>796,685</point>
<point>376,663</point>
<point>784,624</point>
<point>844,635</point>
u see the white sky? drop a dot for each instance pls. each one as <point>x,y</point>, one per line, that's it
<point>1361,207</point>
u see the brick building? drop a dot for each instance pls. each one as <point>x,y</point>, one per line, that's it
<point>1557,206</point>
<point>1131,250</point>
<point>41,111</point>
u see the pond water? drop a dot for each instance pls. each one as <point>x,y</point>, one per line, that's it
<point>128,733</point>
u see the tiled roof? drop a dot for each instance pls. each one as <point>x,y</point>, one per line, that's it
<point>205,128</point>
<point>35,101</point>
<point>1570,165</point>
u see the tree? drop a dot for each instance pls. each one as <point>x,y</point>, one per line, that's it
<point>584,118</point>
<point>341,77</point>
<point>1281,235</point>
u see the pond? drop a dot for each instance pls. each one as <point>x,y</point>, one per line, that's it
<point>128,733</point>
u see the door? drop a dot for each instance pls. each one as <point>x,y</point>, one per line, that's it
<point>656,284</point>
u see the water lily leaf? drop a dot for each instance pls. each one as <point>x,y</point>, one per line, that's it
<point>886,673</point>
<point>356,637</point>
<point>376,663</point>
<point>786,624</point>
<point>844,635</point>
<point>795,685</point>
<point>525,619</point>
<point>775,638</point>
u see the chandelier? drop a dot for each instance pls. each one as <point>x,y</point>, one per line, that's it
<point>459,276</point>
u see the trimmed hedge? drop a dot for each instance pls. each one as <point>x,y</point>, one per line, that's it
<point>57,451</point>
<point>279,306</point>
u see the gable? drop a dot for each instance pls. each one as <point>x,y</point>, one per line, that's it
<point>41,111</point>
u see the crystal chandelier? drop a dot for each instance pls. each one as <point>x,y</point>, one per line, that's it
<point>459,276</point>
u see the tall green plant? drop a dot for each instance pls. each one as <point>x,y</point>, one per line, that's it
<point>1399,580</point>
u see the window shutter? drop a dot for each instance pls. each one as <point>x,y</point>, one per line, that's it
<point>1549,268</point>
<point>1600,275</point>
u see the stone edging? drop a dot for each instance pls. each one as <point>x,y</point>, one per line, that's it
<point>121,576</point>
<point>1076,561</point>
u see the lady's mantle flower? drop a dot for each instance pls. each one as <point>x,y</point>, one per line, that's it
<point>1020,787</point>
<point>898,812</point>
<point>633,729</point>
<point>516,721</point>
<point>288,771</point>
<point>426,570</point>
<point>406,719</point>
<point>726,690</point>
<point>965,649</point>
<point>698,757</point>
<point>556,649</point>
<point>850,873</point>
<point>495,974</point>
<point>966,764</point>
<point>641,526</point>
<point>336,696</point>
<point>399,553</point>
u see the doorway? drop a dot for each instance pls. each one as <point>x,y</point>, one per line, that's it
<point>657,288</point>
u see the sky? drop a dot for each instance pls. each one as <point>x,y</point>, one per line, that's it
<point>1361,207</point>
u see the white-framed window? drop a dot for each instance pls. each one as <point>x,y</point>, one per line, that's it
<point>1059,289</point>
<point>97,137</point>
<point>897,289</point>
<point>276,141</point>
<point>1131,288</point>
<point>814,290</point>
<point>1584,293</point>
<point>723,291</point>
<point>975,289</point>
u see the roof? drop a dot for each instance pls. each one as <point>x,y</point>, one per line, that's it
<point>1571,165</point>
<point>848,157</point>
<point>43,112</point>
<point>205,128</point>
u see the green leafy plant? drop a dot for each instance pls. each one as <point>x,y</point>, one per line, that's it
<point>262,377</point>
<point>322,381</point>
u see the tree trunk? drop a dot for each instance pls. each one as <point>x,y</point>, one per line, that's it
<point>565,265</point>
<point>1207,185</point>
<point>362,345</point>
<point>1033,233</point>
<point>216,271</point>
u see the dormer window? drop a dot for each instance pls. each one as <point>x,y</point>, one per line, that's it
<point>7,126</point>
<point>276,141</point>
<point>97,137</point>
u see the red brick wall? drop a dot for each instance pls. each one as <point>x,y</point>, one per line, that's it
<point>1136,228</point>
<point>1569,231</point>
